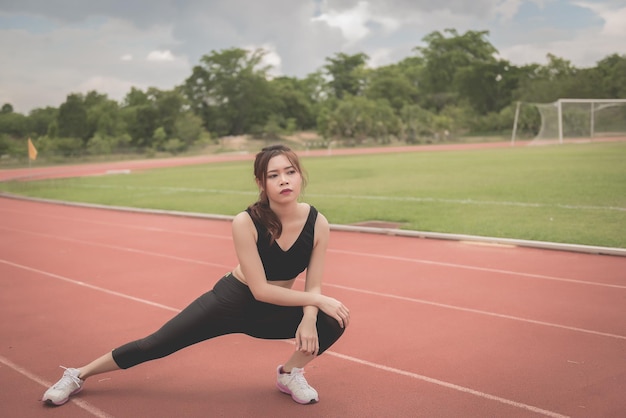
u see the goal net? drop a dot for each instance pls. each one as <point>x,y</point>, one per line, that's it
<point>568,120</point>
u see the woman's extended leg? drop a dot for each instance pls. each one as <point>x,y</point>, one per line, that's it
<point>73,379</point>
<point>100,365</point>
<point>207,317</point>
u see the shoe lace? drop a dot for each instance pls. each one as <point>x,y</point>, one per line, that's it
<point>67,379</point>
<point>298,378</point>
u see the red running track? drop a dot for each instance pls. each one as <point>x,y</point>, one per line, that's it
<point>439,328</point>
<point>94,169</point>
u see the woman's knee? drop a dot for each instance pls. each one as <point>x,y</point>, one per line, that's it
<point>329,331</point>
<point>140,351</point>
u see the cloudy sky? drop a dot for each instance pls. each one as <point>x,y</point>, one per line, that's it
<point>51,48</point>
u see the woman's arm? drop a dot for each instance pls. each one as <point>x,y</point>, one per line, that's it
<point>307,339</point>
<point>330,306</point>
<point>315,270</point>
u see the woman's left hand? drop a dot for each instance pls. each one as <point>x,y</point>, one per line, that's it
<point>306,337</point>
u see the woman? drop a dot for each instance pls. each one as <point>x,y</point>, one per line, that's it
<point>275,239</point>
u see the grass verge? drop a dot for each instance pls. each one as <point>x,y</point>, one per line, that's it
<point>573,193</point>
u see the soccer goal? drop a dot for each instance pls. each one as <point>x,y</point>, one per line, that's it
<point>578,119</point>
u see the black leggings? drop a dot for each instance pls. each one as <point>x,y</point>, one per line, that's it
<point>227,309</point>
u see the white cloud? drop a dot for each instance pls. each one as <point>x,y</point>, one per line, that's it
<point>614,19</point>
<point>271,58</point>
<point>507,9</point>
<point>160,56</point>
<point>380,57</point>
<point>57,47</point>
<point>353,23</point>
<point>47,66</point>
<point>583,47</point>
<point>116,88</point>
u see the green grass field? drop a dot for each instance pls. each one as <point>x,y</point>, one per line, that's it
<point>573,193</point>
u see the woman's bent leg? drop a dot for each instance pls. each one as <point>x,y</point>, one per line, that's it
<point>290,376</point>
<point>275,322</point>
<point>328,331</point>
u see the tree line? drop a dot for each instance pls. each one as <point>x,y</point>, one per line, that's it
<point>454,85</point>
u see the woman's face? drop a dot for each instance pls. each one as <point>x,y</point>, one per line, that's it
<point>283,181</point>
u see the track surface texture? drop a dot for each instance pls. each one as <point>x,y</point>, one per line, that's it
<point>439,328</point>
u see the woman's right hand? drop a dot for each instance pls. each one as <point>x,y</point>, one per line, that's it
<point>335,309</point>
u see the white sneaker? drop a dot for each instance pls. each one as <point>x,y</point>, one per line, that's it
<point>67,386</point>
<point>295,384</point>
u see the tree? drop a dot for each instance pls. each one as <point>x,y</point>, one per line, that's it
<point>135,97</point>
<point>359,118</point>
<point>445,57</point>
<point>151,117</point>
<point>556,69</point>
<point>416,123</point>
<point>611,73</point>
<point>347,74</point>
<point>489,86</point>
<point>230,91</point>
<point>103,116</point>
<point>547,83</point>
<point>41,119</point>
<point>392,84</point>
<point>106,119</point>
<point>169,105</point>
<point>72,118</point>
<point>14,124</point>
<point>293,101</point>
<point>6,108</point>
<point>159,137</point>
<point>188,128</point>
<point>141,123</point>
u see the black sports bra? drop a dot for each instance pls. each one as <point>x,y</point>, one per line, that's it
<point>283,265</point>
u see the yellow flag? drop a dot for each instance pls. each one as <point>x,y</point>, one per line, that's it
<point>32,151</point>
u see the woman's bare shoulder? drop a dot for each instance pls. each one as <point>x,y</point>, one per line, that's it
<point>242,220</point>
<point>321,224</point>
<point>243,215</point>
<point>321,220</point>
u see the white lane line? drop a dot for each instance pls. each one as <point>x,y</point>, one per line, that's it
<point>476,268</point>
<point>353,253</point>
<point>342,356</point>
<point>478,311</point>
<point>352,289</point>
<point>121,225</point>
<point>379,294</point>
<point>126,226</point>
<point>120,248</point>
<point>78,402</point>
<point>89,286</point>
<point>448,385</point>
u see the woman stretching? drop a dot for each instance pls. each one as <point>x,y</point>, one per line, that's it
<point>275,239</point>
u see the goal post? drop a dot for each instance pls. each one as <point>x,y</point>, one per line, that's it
<point>577,119</point>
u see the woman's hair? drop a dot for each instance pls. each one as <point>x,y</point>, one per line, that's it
<point>260,210</point>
